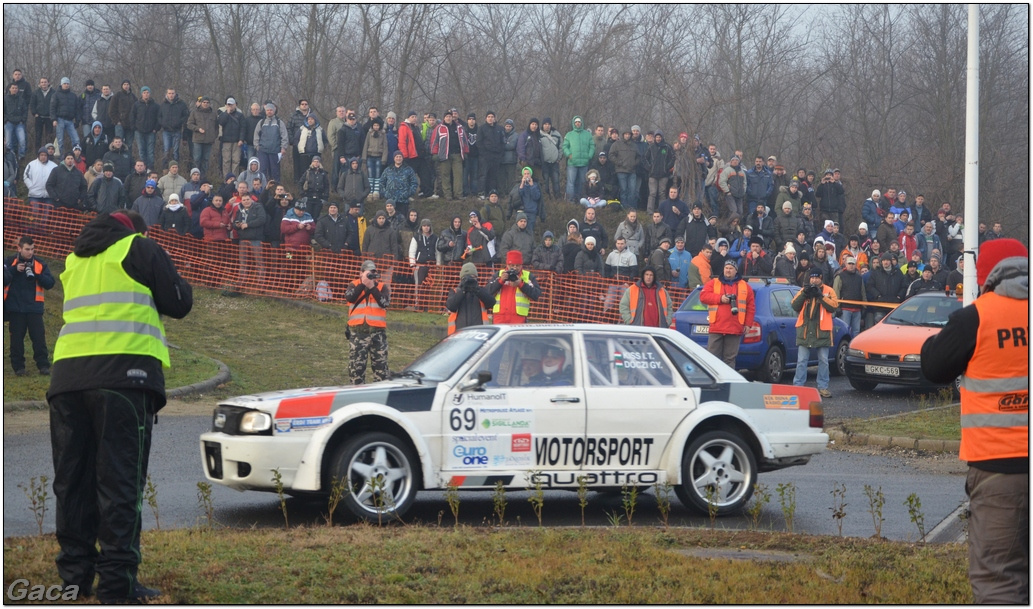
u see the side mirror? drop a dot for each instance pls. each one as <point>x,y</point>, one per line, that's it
<point>476,384</point>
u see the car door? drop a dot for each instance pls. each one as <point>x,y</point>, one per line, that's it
<point>781,299</point>
<point>524,419</point>
<point>635,401</point>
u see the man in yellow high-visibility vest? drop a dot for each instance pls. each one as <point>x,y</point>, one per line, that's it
<point>107,386</point>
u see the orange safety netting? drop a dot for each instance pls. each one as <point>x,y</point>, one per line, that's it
<point>308,274</point>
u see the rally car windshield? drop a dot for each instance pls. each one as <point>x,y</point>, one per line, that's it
<point>444,358</point>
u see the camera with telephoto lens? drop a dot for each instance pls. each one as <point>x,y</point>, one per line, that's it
<point>374,274</point>
<point>512,276</point>
<point>813,291</point>
<point>28,268</point>
<point>468,284</point>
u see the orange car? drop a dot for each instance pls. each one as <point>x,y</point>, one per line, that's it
<point>890,351</point>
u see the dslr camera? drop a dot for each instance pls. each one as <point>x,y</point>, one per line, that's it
<point>468,284</point>
<point>28,267</point>
<point>512,276</point>
<point>374,274</point>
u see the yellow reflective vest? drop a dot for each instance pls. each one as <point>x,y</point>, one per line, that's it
<point>106,311</point>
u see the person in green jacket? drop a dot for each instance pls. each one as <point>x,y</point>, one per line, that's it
<point>578,149</point>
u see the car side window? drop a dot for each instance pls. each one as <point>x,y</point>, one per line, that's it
<point>625,361</point>
<point>541,360</point>
<point>693,374</point>
<point>782,303</point>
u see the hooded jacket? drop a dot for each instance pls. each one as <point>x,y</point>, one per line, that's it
<point>353,185</point>
<point>518,239</point>
<point>454,252</point>
<point>381,240</point>
<point>16,108</point>
<point>578,145</point>
<point>529,148</point>
<point>94,146</point>
<point>375,145</point>
<point>249,174</point>
<point>148,264</point>
<point>660,158</point>
<point>547,258</point>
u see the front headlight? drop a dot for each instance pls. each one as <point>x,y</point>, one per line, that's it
<point>255,422</point>
<point>855,353</point>
<point>913,357</point>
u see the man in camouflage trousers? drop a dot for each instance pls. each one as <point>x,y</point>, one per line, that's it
<point>367,324</point>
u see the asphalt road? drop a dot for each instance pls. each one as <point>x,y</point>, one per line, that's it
<point>176,470</point>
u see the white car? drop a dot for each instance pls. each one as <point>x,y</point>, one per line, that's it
<point>619,405</point>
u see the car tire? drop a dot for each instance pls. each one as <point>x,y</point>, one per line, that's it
<point>721,461</point>
<point>862,385</point>
<point>772,367</point>
<point>840,368</point>
<point>380,457</point>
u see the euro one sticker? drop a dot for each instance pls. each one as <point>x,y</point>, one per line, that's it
<point>480,451</point>
<point>506,419</point>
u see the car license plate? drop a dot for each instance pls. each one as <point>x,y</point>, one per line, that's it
<point>701,329</point>
<point>882,370</point>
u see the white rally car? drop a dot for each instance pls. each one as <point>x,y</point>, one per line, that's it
<point>619,405</point>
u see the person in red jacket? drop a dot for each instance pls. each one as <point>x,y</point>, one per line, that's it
<point>297,227</point>
<point>215,220</point>
<point>731,307</point>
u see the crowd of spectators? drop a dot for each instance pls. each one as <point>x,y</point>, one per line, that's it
<point>698,210</point>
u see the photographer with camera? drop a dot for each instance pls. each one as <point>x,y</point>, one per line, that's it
<point>367,324</point>
<point>25,278</point>
<point>514,289</point>
<point>817,304</point>
<point>731,307</point>
<point>468,304</point>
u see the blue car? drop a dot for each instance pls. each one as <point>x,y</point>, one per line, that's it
<point>768,347</point>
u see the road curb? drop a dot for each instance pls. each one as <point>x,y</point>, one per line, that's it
<point>199,387</point>
<point>860,439</point>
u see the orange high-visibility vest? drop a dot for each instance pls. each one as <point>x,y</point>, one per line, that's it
<point>37,267</point>
<point>635,291</point>
<point>995,387</point>
<point>740,301</point>
<point>824,317</point>
<point>367,311</point>
<point>452,318</point>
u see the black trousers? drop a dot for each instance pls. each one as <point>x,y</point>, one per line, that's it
<point>33,322</point>
<point>101,440</point>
